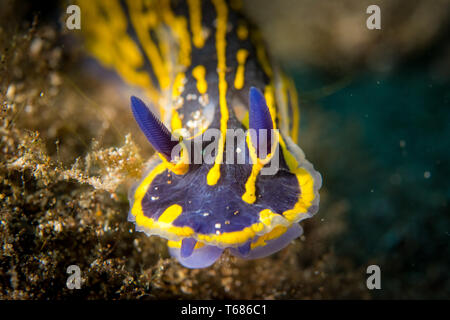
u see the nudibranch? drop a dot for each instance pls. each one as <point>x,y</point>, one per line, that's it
<point>227,173</point>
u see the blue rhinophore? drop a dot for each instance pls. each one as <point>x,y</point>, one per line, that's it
<point>156,133</point>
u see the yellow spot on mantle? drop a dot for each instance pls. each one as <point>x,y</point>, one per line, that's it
<point>177,244</point>
<point>199,74</point>
<point>195,12</point>
<point>176,121</point>
<point>170,214</point>
<point>241,57</point>
<point>178,85</point>
<point>242,32</point>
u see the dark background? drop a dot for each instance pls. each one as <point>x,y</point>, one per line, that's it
<point>375,120</point>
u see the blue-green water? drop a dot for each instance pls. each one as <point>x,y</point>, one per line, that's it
<point>386,140</point>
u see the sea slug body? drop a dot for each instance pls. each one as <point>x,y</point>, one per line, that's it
<point>205,68</point>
